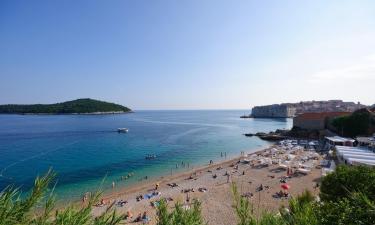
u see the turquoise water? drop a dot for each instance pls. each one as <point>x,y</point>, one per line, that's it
<point>83,149</point>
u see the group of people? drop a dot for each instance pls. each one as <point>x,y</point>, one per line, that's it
<point>183,164</point>
<point>289,171</point>
<point>140,218</point>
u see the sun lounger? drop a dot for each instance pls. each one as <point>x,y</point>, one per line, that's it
<point>303,171</point>
<point>282,166</point>
<point>202,189</point>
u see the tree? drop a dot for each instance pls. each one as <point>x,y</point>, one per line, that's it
<point>360,122</point>
<point>356,209</point>
<point>347,180</point>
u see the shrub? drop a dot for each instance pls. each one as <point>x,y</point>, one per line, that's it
<point>347,180</point>
<point>180,216</point>
<point>15,210</point>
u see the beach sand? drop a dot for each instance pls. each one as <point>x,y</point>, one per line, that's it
<point>217,202</point>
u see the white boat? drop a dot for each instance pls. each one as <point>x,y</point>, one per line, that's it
<point>150,156</point>
<point>122,130</point>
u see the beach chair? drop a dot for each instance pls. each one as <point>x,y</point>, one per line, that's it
<point>303,171</point>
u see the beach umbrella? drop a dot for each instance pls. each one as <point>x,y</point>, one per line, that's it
<point>285,186</point>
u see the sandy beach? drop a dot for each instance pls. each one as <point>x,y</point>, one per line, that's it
<point>216,195</point>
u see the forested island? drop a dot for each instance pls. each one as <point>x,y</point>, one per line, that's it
<point>79,106</point>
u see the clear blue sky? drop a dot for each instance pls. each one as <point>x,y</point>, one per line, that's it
<point>191,54</point>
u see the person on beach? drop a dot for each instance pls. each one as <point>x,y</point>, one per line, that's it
<point>128,215</point>
<point>221,154</point>
<point>84,198</point>
<point>113,184</point>
<point>145,218</point>
<point>139,218</point>
<point>156,186</point>
<point>187,197</point>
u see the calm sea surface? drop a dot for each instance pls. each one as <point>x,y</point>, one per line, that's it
<point>84,149</point>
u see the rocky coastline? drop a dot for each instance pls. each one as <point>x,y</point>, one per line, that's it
<point>295,133</point>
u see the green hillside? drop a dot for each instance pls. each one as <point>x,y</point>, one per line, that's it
<point>79,106</point>
<point>360,122</point>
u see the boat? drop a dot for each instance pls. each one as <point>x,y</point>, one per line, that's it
<point>122,130</point>
<point>150,156</point>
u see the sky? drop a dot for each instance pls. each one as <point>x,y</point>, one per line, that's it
<point>187,54</point>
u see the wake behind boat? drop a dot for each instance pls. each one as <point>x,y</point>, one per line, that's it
<point>122,130</point>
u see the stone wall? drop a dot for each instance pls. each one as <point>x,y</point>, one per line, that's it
<point>273,111</point>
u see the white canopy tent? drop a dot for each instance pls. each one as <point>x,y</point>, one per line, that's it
<point>354,155</point>
<point>361,161</point>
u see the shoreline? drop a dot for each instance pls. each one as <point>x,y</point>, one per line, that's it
<point>142,185</point>
<point>212,186</point>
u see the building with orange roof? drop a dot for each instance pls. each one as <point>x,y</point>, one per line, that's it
<point>316,121</point>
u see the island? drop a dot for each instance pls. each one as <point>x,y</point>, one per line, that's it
<point>78,106</point>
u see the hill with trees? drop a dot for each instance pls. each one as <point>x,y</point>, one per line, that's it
<point>79,106</point>
<point>360,122</point>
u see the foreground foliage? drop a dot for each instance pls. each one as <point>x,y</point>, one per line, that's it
<point>346,180</point>
<point>180,216</point>
<point>301,211</point>
<point>17,211</point>
<point>348,196</point>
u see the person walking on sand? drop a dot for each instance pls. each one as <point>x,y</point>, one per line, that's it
<point>187,197</point>
<point>84,198</point>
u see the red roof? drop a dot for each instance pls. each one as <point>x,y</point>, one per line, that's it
<point>322,115</point>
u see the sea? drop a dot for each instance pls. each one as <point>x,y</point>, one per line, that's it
<point>87,153</point>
